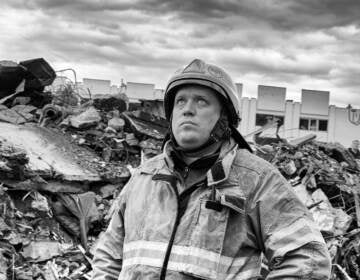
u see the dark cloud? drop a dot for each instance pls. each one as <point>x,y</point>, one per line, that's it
<point>290,14</point>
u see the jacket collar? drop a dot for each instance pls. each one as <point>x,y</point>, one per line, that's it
<point>220,171</point>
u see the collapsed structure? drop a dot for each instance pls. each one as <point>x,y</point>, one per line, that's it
<point>64,159</point>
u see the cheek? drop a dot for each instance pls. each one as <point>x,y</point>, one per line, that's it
<point>211,119</point>
<point>174,120</point>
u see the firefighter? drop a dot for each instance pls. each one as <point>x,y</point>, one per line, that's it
<point>207,208</point>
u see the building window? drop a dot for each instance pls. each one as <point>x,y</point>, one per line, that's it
<point>263,119</point>
<point>313,124</point>
<point>304,124</point>
<point>323,124</point>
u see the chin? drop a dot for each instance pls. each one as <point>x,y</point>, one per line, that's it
<point>190,143</point>
<point>190,139</point>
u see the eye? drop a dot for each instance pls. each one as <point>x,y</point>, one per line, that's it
<point>202,102</point>
<point>180,101</point>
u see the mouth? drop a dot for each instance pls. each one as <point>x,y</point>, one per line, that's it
<point>188,123</point>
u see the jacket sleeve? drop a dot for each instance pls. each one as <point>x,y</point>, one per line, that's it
<point>107,261</point>
<point>286,232</point>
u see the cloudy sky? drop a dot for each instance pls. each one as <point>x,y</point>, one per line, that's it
<point>310,44</point>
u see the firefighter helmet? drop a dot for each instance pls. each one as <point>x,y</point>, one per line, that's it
<point>209,75</point>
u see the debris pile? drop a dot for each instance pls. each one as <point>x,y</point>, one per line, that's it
<point>326,177</point>
<point>63,160</point>
<point>57,184</point>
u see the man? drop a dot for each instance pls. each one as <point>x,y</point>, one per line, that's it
<point>354,149</point>
<point>207,208</point>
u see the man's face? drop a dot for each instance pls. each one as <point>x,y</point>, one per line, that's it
<point>195,113</point>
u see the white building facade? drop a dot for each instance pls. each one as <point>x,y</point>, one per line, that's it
<point>312,115</point>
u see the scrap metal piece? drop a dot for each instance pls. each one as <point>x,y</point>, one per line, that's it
<point>146,126</point>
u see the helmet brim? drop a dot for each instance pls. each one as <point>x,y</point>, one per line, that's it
<point>175,85</point>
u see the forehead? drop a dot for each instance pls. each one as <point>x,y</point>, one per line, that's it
<point>197,90</point>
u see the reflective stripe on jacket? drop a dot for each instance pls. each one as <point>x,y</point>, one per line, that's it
<point>259,213</point>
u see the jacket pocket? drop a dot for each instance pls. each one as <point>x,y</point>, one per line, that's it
<point>208,232</point>
<point>205,241</point>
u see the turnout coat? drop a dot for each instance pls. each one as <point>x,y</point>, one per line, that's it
<point>220,227</point>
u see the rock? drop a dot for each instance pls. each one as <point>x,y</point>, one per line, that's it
<point>40,203</point>
<point>303,194</point>
<point>38,251</point>
<point>107,191</point>
<point>22,100</point>
<point>131,139</point>
<point>116,123</point>
<point>342,221</point>
<point>11,116</point>
<point>323,213</point>
<point>324,218</point>
<point>26,111</point>
<point>88,118</point>
<point>290,168</point>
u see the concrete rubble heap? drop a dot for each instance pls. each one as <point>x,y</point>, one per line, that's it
<point>326,178</point>
<point>64,159</point>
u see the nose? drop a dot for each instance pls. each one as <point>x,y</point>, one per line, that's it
<point>189,108</point>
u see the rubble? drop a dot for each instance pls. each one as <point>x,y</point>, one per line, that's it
<point>63,161</point>
<point>65,158</point>
<point>327,179</point>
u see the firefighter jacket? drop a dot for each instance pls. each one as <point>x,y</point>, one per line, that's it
<point>243,209</point>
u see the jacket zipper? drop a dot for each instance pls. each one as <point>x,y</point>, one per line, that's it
<point>172,237</point>
<point>179,212</point>
<point>172,180</point>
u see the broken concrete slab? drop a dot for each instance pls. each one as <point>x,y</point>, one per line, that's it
<point>302,140</point>
<point>26,111</point>
<point>11,116</point>
<point>50,153</point>
<point>22,109</point>
<point>86,119</point>
<point>146,125</point>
